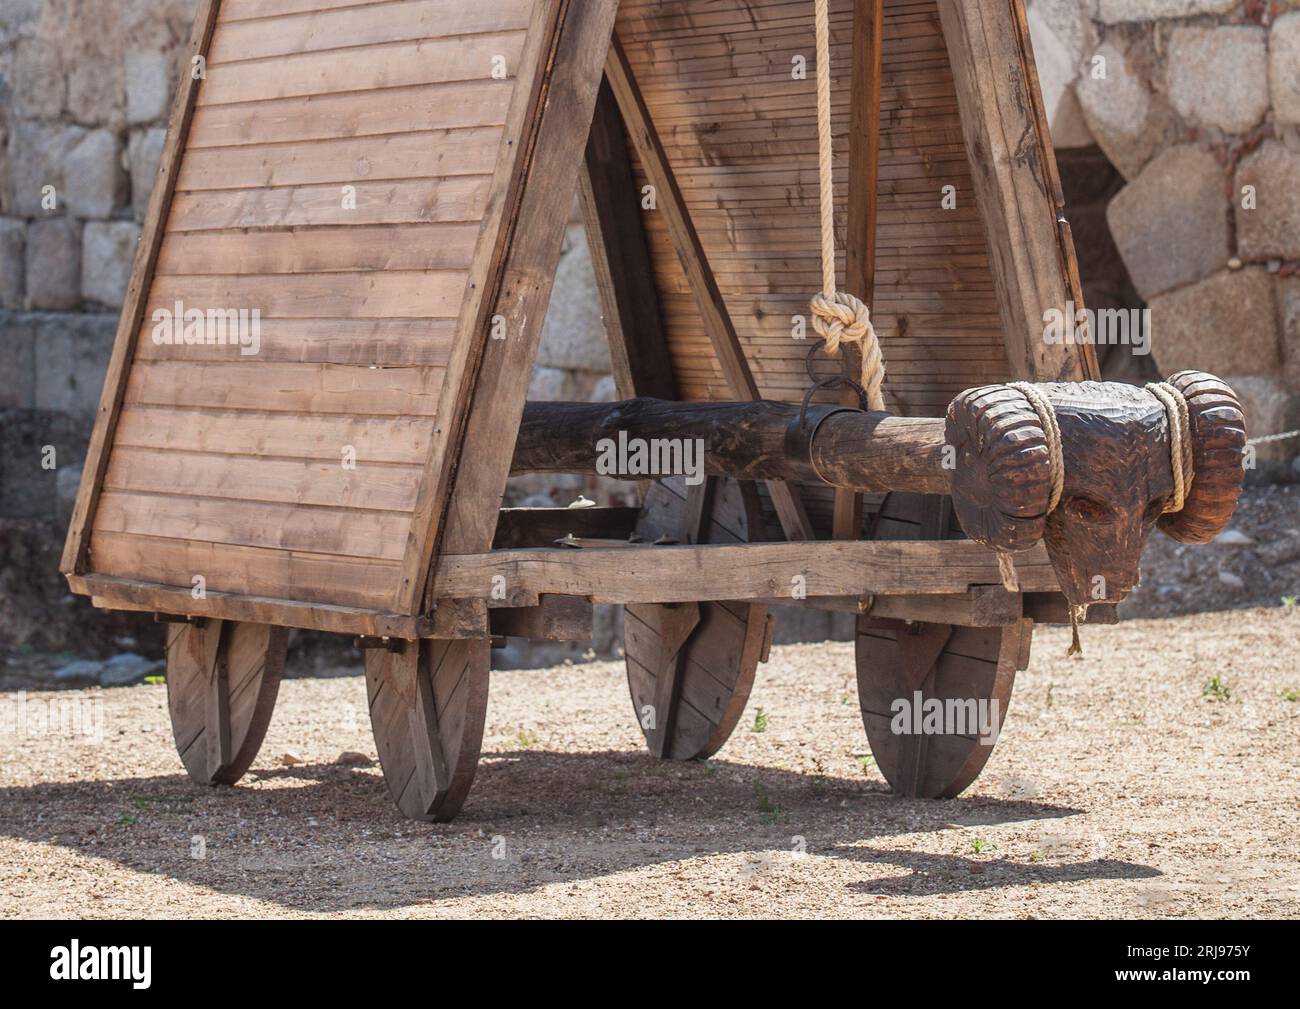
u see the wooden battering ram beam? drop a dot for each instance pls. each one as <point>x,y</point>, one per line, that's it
<point>990,453</point>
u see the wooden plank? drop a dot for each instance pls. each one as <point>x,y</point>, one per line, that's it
<point>325,437</point>
<point>366,25</point>
<point>691,255</point>
<point>252,524</point>
<point>249,384</point>
<point>365,68</point>
<point>488,386</point>
<point>415,201</point>
<point>369,343</point>
<point>620,258</point>
<point>319,250</point>
<point>150,597</point>
<point>287,481</point>
<point>133,303</point>
<point>353,114</point>
<point>669,574</point>
<point>395,294</point>
<point>422,155</point>
<point>244,570</point>
<point>554,618</point>
<point>997,91</point>
<point>860,245</point>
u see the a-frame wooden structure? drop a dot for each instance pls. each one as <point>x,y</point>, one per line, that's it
<point>387,183</point>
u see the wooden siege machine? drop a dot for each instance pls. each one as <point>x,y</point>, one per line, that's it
<point>386,184</point>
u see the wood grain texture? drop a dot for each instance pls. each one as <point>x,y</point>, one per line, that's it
<point>222,681</point>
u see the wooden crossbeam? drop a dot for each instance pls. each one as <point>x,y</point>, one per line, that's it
<point>699,275</point>
<point>671,574</point>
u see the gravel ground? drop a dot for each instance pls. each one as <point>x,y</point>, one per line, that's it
<point>1116,790</point>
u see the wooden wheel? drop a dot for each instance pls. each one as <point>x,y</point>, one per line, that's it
<point>222,680</point>
<point>690,666</point>
<point>427,707</point>
<point>896,659</point>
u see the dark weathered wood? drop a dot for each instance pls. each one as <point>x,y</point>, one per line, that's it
<point>690,251</point>
<point>427,706</point>
<point>1054,608</point>
<point>136,298</point>
<point>690,666</point>
<point>542,527</point>
<point>554,618</point>
<point>222,681</point>
<point>897,661</point>
<point>499,390</point>
<point>620,258</point>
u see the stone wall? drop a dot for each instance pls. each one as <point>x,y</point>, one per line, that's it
<point>1196,103</point>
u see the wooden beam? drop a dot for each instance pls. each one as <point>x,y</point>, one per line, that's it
<point>620,258</point>
<point>864,171</point>
<point>146,597</point>
<point>690,251</point>
<point>497,392</point>
<point>766,571</point>
<point>136,298</point>
<point>554,618</point>
<point>1016,186</point>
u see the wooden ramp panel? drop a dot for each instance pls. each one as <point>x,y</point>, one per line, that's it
<point>335,176</point>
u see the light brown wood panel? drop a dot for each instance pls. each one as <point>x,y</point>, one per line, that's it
<point>248,10</point>
<point>249,571</point>
<point>384,343</point>
<point>354,114</point>
<point>251,523</point>
<point>412,202</point>
<point>249,384</point>
<point>426,155</point>
<point>328,437</point>
<point>405,64</point>
<point>372,295</point>
<point>287,481</point>
<point>359,26</point>
<point>320,250</point>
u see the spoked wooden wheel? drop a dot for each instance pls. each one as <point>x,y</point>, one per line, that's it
<point>690,666</point>
<point>969,671</point>
<point>427,706</point>
<point>222,680</point>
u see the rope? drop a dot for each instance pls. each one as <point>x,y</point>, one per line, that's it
<point>837,316</point>
<point>1056,468</point>
<point>1180,440</point>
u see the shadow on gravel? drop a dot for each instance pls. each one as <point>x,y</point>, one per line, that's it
<point>326,838</point>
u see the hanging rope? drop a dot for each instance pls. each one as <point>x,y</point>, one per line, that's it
<point>837,316</point>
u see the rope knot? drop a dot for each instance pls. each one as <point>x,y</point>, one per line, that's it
<point>840,318</point>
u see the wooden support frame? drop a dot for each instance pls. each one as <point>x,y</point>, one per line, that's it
<point>750,571</point>
<point>136,299</point>
<point>690,251</point>
<point>1016,183</point>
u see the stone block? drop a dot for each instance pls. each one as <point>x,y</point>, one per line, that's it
<point>53,265</point>
<point>148,85</point>
<point>94,177</point>
<point>1226,324</point>
<point>95,92</point>
<point>573,336</point>
<point>13,235</point>
<point>107,253</point>
<point>1119,109</point>
<point>72,354</point>
<point>1271,230</point>
<point>1218,77</point>
<point>1270,408</point>
<point>1284,67</point>
<point>1120,11</point>
<point>17,360</point>
<point>39,87</point>
<point>1170,224</point>
<point>144,152</point>
<point>1289,307</point>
